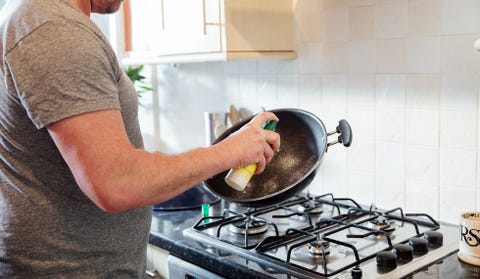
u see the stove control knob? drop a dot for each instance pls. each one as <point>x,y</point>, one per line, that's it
<point>356,273</point>
<point>386,261</point>
<point>434,238</point>
<point>419,245</point>
<point>404,253</point>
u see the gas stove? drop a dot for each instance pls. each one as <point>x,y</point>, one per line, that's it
<point>323,236</point>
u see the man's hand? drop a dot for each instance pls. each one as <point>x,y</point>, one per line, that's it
<point>251,144</point>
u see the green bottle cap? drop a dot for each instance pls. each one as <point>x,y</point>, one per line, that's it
<point>205,210</point>
<point>270,125</point>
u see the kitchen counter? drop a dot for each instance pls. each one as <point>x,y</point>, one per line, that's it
<point>450,267</point>
<point>167,233</point>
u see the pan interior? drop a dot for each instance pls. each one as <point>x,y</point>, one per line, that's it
<point>303,140</point>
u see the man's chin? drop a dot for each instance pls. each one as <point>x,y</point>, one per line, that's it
<point>108,10</point>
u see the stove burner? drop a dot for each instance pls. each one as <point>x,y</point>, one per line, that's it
<point>303,255</point>
<point>249,226</point>
<point>383,224</point>
<point>310,207</point>
<point>319,248</point>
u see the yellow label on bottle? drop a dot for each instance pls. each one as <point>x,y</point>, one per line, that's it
<point>238,178</point>
<point>248,171</point>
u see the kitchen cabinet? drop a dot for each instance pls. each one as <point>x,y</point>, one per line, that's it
<point>157,261</point>
<point>175,31</point>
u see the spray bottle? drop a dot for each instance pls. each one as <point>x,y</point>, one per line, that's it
<point>238,178</point>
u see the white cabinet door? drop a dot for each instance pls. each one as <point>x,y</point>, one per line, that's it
<point>157,260</point>
<point>176,26</point>
<point>146,22</point>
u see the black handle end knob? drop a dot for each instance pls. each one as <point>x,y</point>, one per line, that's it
<point>345,132</point>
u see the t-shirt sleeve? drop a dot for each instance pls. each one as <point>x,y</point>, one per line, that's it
<point>62,70</point>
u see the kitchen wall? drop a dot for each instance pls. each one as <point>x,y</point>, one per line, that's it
<point>404,73</point>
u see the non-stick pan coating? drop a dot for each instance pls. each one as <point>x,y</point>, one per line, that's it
<point>303,141</point>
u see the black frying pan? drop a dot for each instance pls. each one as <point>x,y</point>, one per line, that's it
<point>303,143</point>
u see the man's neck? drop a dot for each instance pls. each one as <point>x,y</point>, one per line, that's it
<point>83,5</point>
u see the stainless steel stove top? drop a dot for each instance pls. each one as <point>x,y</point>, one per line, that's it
<point>327,237</point>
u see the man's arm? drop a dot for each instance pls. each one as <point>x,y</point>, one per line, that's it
<point>118,177</point>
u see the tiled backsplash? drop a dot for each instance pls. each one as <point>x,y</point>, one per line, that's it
<point>405,75</point>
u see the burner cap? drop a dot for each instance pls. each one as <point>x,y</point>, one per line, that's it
<point>248,226</point>
<point>383,224</point>
<point>310,207</point>
<point>319,248</point>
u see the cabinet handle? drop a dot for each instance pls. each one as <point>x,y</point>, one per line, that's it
<point>151,273</point>
<point>163,15</point>
<point>204,18</point>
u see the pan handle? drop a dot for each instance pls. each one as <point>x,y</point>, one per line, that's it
<point>345,134</point>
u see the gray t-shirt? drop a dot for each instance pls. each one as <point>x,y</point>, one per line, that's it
<point>55,63</point>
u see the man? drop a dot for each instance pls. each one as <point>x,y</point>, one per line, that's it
<point>76,187</point>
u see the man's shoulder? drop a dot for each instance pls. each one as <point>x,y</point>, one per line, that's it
<point>22,18</point>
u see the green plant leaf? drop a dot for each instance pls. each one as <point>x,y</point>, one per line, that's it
<point>133,73</point>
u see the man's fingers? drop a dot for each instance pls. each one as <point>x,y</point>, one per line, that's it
<point>260,119</point>
<point>260,166</point>
<point>273,139</point>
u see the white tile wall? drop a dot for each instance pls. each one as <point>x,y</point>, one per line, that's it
<point>362,23</point>
<point>426,17</point>
<point>403,72</point>
<point>362,56</point>
<point>392,18</point>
